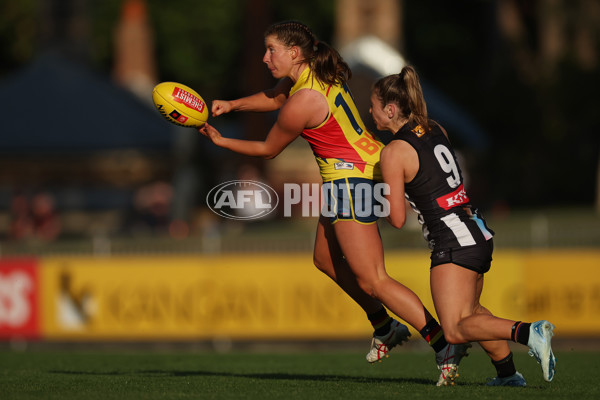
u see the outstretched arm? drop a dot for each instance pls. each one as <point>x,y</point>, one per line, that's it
<point>301,110</point>
<point>304,109</point>
<point>277,140</point>
<point>267,100</point>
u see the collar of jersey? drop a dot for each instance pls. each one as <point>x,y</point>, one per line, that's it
<point>301,80</point>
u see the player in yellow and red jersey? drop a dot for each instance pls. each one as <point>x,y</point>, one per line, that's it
<point>341,143</point>
<point>315,103</point>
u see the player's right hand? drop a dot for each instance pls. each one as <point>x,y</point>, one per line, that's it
<point>211,133</point>
<point>220,107</point>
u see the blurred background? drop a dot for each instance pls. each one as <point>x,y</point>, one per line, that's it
<point>89,168</point>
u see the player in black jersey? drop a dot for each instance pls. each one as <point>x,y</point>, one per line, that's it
<point>420,166</point>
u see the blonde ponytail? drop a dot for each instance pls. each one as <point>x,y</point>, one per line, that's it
<point>404,90</point>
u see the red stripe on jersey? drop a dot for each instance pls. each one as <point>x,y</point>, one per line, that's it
<point>329,141</point>
<point>456,198</point>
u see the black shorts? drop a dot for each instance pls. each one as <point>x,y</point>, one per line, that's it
<point>477,258</point>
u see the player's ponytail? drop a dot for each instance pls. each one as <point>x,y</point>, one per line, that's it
<point>325,62</point>
<point>404,90</point>
<point>329,66</point>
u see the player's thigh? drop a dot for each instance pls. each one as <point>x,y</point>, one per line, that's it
<point>361,245</point>
<point>455,292</point>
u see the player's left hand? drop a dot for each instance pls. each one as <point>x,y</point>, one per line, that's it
<point>220,107</point>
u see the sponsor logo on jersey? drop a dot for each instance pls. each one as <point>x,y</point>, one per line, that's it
<point>343,165</point>
<point>453,199</point>
<point>187,99</point>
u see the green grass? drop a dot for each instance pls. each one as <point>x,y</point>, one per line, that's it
<point>293,375</point>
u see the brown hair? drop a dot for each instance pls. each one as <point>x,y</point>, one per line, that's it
<point>404,90</point>
<point>325,62</point>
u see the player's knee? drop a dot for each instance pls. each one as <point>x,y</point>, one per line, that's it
<point>324,266</point>
<point>372,287</point>
<point>452,333</point>
<point>319,264</point>
<point>453,338</point>
<point>367,287</point>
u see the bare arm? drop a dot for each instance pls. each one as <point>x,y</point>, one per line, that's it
<point>399,164</point>
<point>267,100</point>
<point>299,112</point>
<point>277,140</point>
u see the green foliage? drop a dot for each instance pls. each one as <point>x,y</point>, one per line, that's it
<point>319,15</point>
<point>198,42</point>
<point>18,33</point>
<point>456,47</point>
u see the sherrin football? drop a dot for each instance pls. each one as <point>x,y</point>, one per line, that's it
<point>180,104</point>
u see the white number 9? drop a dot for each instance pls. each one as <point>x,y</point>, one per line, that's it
<point>444,157</point>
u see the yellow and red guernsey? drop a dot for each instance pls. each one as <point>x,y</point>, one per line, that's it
<point>342,145</point>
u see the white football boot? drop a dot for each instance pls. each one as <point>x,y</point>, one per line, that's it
<point>448,360</point>
<point>381,345</point>
<point>540,347</point>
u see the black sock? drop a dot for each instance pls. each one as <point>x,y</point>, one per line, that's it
<point>381,321</point>
<point>432,333</point>
<point>520,332</point>
<point>506,366</point>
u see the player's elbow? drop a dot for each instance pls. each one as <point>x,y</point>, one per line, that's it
<point>396,220</point>
<point>270,153</point>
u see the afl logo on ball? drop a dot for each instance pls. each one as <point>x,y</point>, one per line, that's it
<point>242,200</point>
<point>177,116</point>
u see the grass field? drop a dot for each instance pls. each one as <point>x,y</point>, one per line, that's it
<point>137,374</point>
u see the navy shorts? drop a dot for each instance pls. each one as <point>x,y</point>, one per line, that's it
<point>477,258</point>
<point>354,199</point>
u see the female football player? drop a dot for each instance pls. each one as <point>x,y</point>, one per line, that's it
<point>314,102</point>
<point>420,166</point>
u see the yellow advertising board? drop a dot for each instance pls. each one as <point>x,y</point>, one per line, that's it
<point>566,286</point>
<point>272,296</point>
<point>238,297</point>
